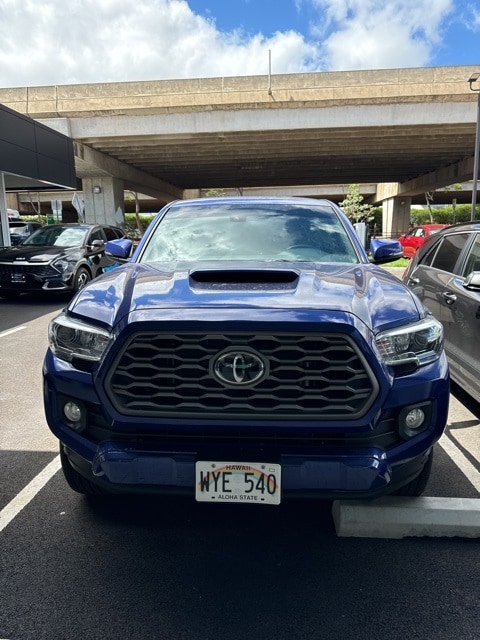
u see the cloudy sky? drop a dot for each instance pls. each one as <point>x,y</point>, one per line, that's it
<point>48,42</point>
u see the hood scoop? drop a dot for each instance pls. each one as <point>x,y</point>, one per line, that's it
<point>241,279</point>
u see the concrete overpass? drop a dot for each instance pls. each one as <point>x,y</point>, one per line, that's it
<point>406,131</point>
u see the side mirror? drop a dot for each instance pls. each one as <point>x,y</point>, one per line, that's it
<point>97,244</point>
<point>472,281</point>
<point>119,249</point>
<point>384,250</point>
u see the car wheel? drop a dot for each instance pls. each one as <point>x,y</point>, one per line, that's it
<point>82,278</point>
<point>417,486</point>
<point>75,480</point>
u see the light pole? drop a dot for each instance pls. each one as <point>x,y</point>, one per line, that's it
<point>474,78</point>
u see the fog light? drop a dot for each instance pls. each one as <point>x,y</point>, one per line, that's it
<point>414,419</point>
<point>72,412</point>
<point>75,415</point>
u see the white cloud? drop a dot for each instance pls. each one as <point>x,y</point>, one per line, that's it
<point>471,17</point>
<point>83,41</point>
<point>375,34</point>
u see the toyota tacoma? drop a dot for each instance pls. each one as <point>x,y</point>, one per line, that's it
<point>250,350</point>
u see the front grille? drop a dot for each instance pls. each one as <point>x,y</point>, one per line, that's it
<point>322,376</point>
<point>39,271</point>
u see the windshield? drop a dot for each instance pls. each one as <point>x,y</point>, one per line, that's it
<point>57,236</point>
<point>234,231</point>
<point>18,228</point>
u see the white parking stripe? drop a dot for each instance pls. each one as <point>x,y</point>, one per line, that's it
<point>465,466</point>
<point>9,331</point>
<point>13,508</point>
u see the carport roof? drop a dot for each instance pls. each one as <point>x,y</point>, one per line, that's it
<point>34,156</point>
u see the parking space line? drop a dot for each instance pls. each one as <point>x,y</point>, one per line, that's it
<point>465,466</point>
<point>9,331</point>
<point>13,508</point>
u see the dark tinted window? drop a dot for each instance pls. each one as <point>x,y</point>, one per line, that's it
<point>472,262</point>
<point>112,234</point>
<point>97,234</point>
<point>449,250</point>
<point>427,259</point>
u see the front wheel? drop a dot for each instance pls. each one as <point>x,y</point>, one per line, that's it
<point>417,486</point>
<point>82,278</point>
<point>75,480</point>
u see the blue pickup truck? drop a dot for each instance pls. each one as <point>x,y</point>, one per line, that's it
<point>249,351</point>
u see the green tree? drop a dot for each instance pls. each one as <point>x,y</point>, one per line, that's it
<point>354,208</point>
<point>215,193</point>
<point>133,195</point>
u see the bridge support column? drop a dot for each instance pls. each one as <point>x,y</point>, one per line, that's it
<point>190,194</point>
<point>396,216</point>
<point>104,201</point>
<point>13,201</point>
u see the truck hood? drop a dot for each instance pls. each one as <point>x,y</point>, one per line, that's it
<point>374,296</point>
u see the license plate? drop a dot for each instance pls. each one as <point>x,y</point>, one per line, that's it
<point>18,278</point>
<point>248,482</point>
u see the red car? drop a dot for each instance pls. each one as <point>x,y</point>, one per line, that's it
<point>413,240</point>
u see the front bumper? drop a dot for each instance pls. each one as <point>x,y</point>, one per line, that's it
<point>30,282</point>
<point>336,473</point>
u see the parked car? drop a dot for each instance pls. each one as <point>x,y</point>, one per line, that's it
<point>445,275</point>
<point>57,257</point>
<point>248,352</point>
<point>414,239</point>
<point>21,229</point>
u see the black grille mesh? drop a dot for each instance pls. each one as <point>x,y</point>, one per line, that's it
<point>41,270</point>
<point>310,376</point>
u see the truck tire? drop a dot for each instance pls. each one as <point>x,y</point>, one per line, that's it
<point>417,486</point>
<point>75,480</point>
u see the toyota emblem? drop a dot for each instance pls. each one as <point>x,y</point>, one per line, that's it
<point>239,367</point>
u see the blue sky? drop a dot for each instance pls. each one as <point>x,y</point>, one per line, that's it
<point>255,16</point>
<point>84,41</point>
<point>456,32</point>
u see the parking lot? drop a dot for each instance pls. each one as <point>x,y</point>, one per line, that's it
<point>167,568</point>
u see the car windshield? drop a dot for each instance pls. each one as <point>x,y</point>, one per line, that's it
<point>57,236</point>
<point>18,228</point>
<point>250,231</point>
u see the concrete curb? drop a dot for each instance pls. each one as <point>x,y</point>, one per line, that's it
<point>399,517</point>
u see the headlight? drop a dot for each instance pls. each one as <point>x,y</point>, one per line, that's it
<point>413,344</point>
<point>61,264</point>
<point>70,338</point>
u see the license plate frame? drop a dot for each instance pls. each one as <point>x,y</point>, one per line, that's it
<point>247,482</point>
<point>18,278</point>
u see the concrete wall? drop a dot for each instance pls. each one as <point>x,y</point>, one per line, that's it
<point>288,90</point>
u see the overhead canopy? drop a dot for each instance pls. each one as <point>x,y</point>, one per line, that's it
<point>33,156</point>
